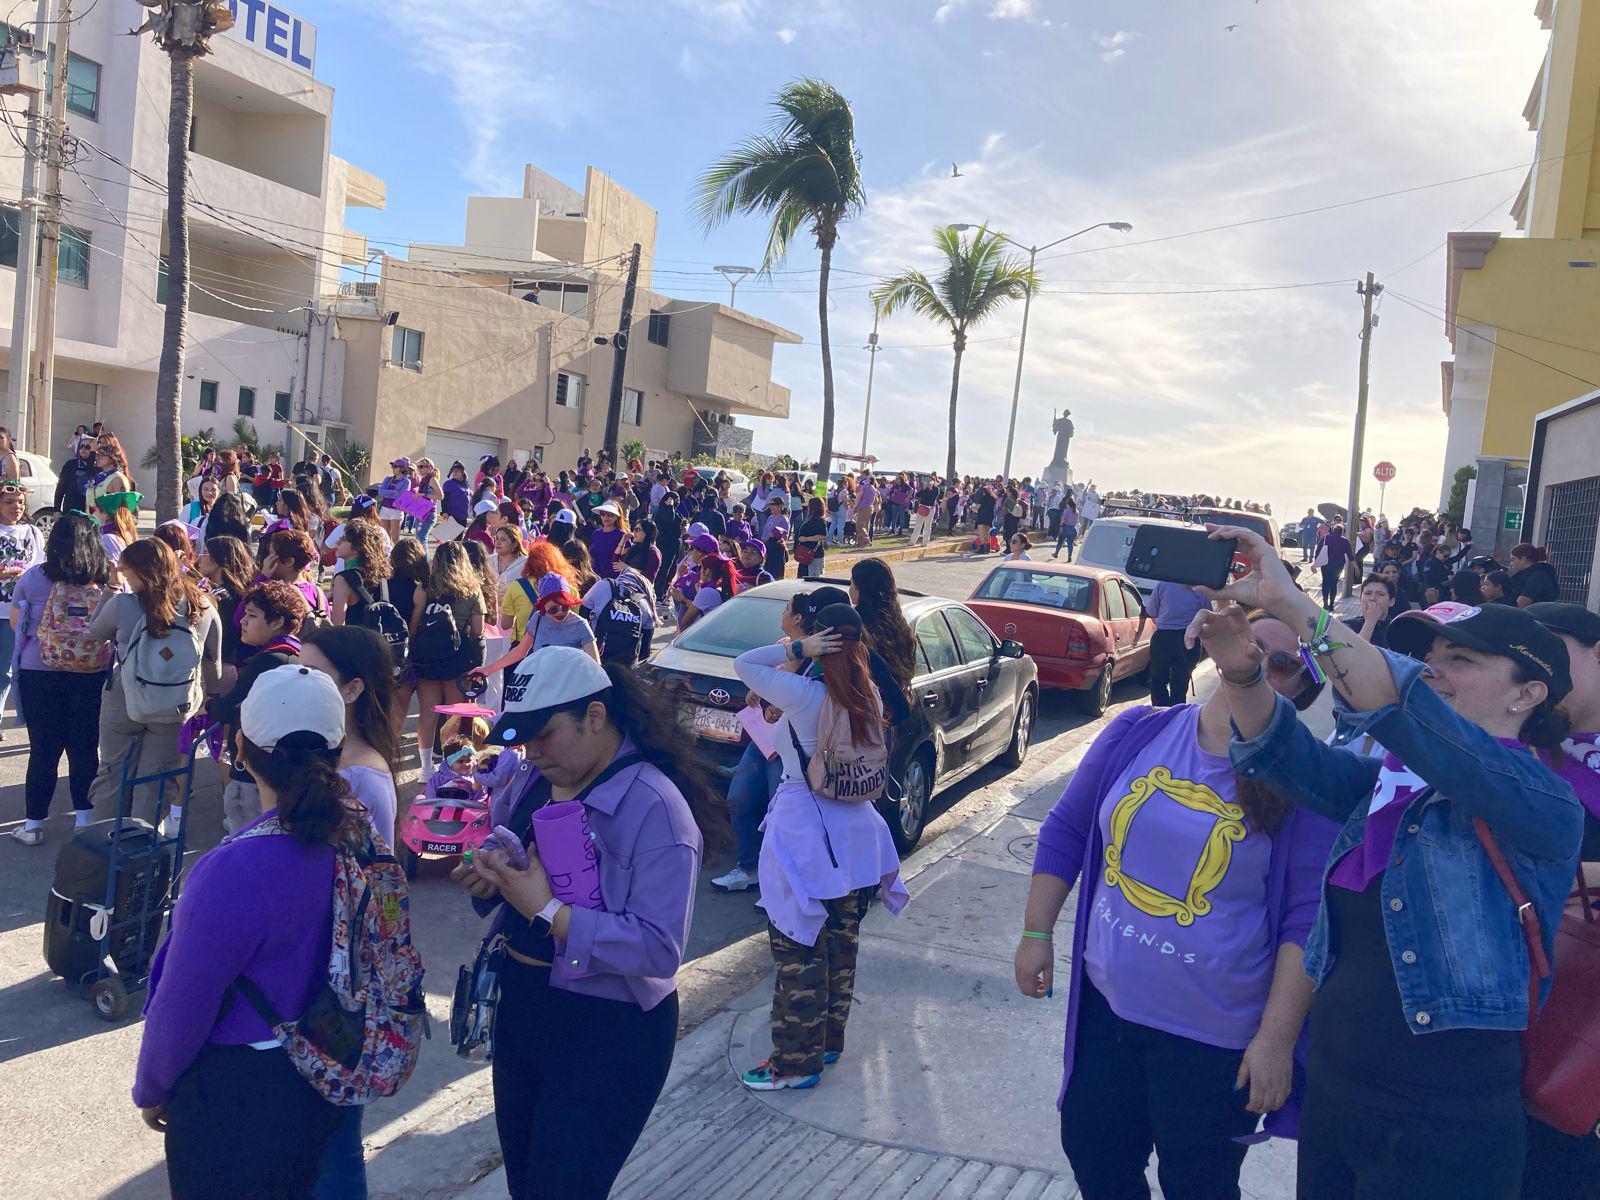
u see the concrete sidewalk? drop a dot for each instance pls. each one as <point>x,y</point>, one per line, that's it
<point>948,1085</point>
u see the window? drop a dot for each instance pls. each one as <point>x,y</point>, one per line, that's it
<point>632,406</point>
<point>569,390</point>
<point>1569,535</point>
<point>1116,603</point>
<point>660,331</point>
<point>976,644</point>
<point>161,280</point>
<point>208,395</point>
<point>938,647</point>
<point>1135,602</point>
<point>575,299</point>
<point>280,406</point>
<point>247,402</point>
<point>406,351</point>
<point>83,86</point>
<point>571,299</point>
<point>1048,589</point>
<point>72,259</point>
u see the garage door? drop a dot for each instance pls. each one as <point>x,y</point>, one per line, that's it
<point>446,446</point>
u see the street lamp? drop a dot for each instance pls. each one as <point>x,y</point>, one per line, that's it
<point>1027,302</point>
<point>735,276</point>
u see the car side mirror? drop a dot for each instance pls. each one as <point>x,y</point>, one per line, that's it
<point>1010,648</point>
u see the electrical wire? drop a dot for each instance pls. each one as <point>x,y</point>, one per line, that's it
<point>1499,345</point>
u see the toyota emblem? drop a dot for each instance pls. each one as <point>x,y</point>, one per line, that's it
<point>718,696</point>
<point>1010,629</point>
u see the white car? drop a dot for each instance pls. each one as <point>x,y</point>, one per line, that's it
<point>1108,541</point>
<point>742,486</point>
<point>39,477</point>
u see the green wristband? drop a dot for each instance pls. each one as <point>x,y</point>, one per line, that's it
<point>1031,933</point>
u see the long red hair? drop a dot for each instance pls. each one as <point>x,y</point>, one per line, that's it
<point>848,679</point>
<point>545,558</point>
<point>723,577</point>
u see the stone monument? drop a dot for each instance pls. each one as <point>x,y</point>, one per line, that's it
<point>1059,471</point>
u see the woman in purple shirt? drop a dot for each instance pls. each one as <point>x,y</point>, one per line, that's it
<point>607,542</point>
<point>588,1010</point>
<point>239,1118</point>
<point>1196,893</point>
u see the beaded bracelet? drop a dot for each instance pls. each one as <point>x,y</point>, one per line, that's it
<point>1319,645</point>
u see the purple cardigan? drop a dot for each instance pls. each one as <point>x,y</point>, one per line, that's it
<point>1070,847</point>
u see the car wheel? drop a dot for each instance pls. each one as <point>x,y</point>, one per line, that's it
<point>43,519</point>
<point>1021,732</point>
<point>909,813</point>
<point>1097,699</point>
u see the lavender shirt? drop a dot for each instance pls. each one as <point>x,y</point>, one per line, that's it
<point>261,907</point>
<point>1071,847</point>
<point>1203,974</point>
<point>650,854</point>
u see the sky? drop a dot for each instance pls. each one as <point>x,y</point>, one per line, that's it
<point>1192,357</point>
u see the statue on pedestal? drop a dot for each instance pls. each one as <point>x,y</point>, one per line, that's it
<point>1058,471</point>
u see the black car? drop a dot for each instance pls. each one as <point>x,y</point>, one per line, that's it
<point>973,698</point>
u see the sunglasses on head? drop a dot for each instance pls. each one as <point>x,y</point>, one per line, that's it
<point>10,487</point>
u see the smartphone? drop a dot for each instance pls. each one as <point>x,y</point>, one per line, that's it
<point>511,845</point>
<point>1180,555</point>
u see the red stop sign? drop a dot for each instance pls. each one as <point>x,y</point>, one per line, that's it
<point>1383,472</point>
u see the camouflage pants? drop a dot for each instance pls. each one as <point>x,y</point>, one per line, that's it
<point>811,1000</point>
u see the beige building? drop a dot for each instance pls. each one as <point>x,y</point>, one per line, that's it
<point>490,347</point>
<point>1563,504</point>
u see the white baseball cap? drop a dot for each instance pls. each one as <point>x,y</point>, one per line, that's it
<point>551,678</point>
<point>607,507</point>
<point>485,505</point>
<point>565,516</point>
<point>292,699</point>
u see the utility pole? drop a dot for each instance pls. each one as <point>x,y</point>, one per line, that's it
<point>1368,291</point>
<point>872,365</point>
<point>17,384</point>
<point>42,383</point>
<point>1022,348</point>
<point>620,362</point>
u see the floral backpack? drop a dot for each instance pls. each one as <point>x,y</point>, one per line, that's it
<point>63,633</point>
<point>362,1033</point>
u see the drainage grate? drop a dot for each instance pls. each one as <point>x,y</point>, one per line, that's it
<point>1569,535</point>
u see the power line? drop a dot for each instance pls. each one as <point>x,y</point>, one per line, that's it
<point>1499,345</point>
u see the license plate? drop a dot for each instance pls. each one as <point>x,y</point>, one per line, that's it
<point>440,848</point>
<point>718,725</point>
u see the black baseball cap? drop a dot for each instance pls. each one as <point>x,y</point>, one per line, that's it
<point>1574,620</point>
<point>842,619</point>
<point>1483,562</point>
<point>809,605</point>
<point>1492,628</point>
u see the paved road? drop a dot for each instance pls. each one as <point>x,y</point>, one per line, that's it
<point>68,1129</point>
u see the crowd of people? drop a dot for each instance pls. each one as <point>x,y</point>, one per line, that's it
<point>1341,961</point>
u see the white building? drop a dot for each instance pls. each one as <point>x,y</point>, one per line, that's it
<point>267,235</point>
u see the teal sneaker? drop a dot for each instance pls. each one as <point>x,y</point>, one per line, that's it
<point>765,1078</point>
<point>831,1057</point>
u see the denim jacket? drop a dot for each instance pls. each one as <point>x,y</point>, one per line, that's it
<point>1453,933</point>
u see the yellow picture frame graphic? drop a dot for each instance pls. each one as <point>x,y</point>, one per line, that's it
<point>1209,869</point>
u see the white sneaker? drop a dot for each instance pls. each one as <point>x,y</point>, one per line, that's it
<point>736,880</point>
<point>28,837</point>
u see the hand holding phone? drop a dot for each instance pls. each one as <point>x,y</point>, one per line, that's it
<point>511,845</point>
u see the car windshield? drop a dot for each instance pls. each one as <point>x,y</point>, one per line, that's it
<point>1050,589</point>
<point>1250,521</point>
<point>1107,545</point>
<point>730,629</point>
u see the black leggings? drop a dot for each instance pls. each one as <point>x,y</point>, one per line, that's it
<point>1134,1088</point>
<point>1330,585</point>
<point>62,712</point>
<point>245,1124</point>
<point>1352,1148</point>
<point>575,1078</point>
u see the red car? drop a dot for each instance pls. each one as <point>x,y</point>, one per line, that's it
<point>1085,627</point>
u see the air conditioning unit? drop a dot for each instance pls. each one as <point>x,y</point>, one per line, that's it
<point>21,71</point>
<point>363,291</point>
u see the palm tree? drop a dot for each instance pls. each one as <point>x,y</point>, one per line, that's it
<point>182,28</point>
<point>804,171</point>
<point>976,282</point>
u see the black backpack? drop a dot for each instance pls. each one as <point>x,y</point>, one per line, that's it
<point>438,638</point>
<point>379,615</point>
<point>619,625</point>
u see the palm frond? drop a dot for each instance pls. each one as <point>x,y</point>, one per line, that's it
<point>915,291</point>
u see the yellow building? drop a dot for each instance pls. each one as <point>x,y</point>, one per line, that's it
<point>1523,313</point>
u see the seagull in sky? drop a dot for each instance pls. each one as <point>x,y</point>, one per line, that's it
<point>1229,28</point>
<point>955,171</point>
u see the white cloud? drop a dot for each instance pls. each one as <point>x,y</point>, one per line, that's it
<point>1111,56</point>
<point>945,11</point>
<point>1014,10</point>
<point>1121,37</point>
<point>992,143</point>
<point>689,64</point>
<point>786,35</point>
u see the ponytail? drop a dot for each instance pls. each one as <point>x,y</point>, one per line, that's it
<point>1546,728</point>
<point>314,800</point>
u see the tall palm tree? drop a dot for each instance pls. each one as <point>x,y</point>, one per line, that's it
<point>182,28</point>
<point>804,171</point>
<point>978,280</point>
